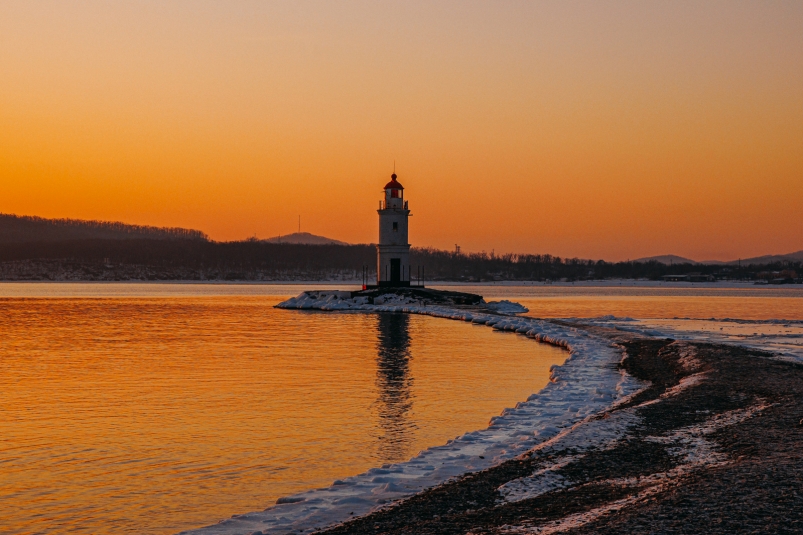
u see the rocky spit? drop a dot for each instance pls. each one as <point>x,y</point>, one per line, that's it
<point>713,445</point>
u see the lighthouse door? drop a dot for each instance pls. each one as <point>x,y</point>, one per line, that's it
<point>395,270</point>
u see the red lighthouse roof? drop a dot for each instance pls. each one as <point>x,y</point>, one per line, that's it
<point>393,184</point>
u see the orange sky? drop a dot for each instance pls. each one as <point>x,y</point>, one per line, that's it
<point>602,129</point>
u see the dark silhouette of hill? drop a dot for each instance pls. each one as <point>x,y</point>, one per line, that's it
<point>756,260</point>
<point>670,259</point>
<point>304,238</point>
<point>162,259</point>
<point>26,229</point>
<point>770,259</point>
<point>33,248</point>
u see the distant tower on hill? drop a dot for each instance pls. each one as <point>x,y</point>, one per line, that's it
<point>393,251</point>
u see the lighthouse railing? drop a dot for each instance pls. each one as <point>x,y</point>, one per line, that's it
<point>383,205</point>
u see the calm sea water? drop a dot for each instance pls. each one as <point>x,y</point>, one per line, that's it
<point>669,301</point>
<point>157,413</point>
<point>152,408</point>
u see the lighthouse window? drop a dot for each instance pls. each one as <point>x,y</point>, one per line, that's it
<point>395,193</point>
<point>395,227</point>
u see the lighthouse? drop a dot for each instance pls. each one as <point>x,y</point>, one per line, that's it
<point>393,251</point>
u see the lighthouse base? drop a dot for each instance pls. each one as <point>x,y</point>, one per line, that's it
<point>391,284</point>
<point>393,266</point>
<point>426,296</point>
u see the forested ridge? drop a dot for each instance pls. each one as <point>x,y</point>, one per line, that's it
<point>34,248</point>
<point>136,258</point>
<point>25,229</point>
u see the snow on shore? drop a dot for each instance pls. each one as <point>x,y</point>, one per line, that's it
<point>782,337</point>
<point>587,383</point>
<point>689,446</point>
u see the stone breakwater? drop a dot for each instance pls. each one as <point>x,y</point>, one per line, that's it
<point>407,300</point>
<point>589,382</point>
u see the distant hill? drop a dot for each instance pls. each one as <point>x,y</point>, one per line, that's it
<point>667,259</point>
<point>670,259</point>
<point>304,238</point>
<point>770,259</point>
<point>28,229</point>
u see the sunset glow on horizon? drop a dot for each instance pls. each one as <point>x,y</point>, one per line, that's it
<point>607,130</point>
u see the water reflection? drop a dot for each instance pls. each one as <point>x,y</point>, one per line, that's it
<point>394,381</point>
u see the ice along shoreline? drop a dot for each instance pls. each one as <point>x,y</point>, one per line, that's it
<point>588,382</point>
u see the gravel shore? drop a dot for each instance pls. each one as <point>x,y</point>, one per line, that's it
<point>714,445</point>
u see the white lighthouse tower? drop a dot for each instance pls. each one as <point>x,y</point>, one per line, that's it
<point>393,251</point>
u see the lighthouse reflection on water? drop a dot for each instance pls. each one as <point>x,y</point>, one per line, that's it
<point>394,379</point>
<point>394,384</point>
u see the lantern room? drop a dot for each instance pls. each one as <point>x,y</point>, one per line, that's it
<point>394,193</point>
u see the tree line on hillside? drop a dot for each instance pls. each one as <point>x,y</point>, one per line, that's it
<point>191,259</point>
<point>486,267</point>
<point>255,260</point>
<point>25,229</point>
